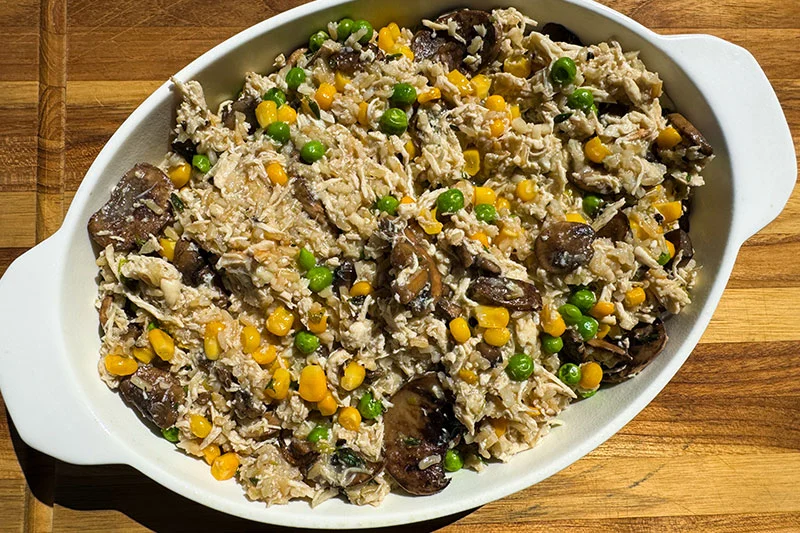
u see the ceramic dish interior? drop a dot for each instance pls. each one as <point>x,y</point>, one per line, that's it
<point>61,408</point>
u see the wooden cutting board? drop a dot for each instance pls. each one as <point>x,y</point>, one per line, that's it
<point>719,448</point>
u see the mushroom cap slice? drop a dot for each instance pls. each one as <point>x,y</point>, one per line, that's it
<point>155,393</point>
<point>682,243</point>
<point>560,33</point>
<point>451,52</point>
<point>564,246</point>
<point>615,229</point>
<point>512,294</point>
<point>245,105</point>
<point>688,131</point>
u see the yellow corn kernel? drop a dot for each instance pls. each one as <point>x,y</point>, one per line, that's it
<point>497,336</point>
<point>553,323</point>
<point>211,452</point>
<point>481,237</point>
<point>671,211</point>
<point>411,150</point>
<point>496,103</point>
<point>211,341</point>
<point>502,203</point>
<point>276,174</point>
<point>601,309</point>
<point>318,321</point>
<point>350,418</point>
<point>500,426</point>
<point>591,375</point>
<point>472,161</point>
<point>429,224</point>
<point>353,376</point>
<point>394,30</point>
<point>668,138</point>
<point>519,66</point>
<point>313,384</point>
<point>515,111</point>
<point>278,387</point>
<point>484,195</point>
<point>145,355</point>
<point>481,85</point>
<point>327,406</point>
<point>266,113</point>
<point>119,365</point>
<point>167,249</point>
<point>385,39</point>
<point>507,232</point>
<point>603,330</point>
<point>461,82</point>
<point>340,81</point>
<point>497,127</point>
<point>287,114</point>
<point>280,321</point>
<point>526,190</point>
<point>403,49</point>
<point>361,288</point>
<point>491,317</point>
<point>180,174</point>
<point>434,93</point>
<point>468,376</point>
<point>595,150</point>
<point>670,249</point>
<point>324,95</point>
<point>251,339</point>
<point>200,426</point>
<point>634,297</point>
<point>225,466</point>
<point>162,343</point>
<point>265,355</point>
<point>459,329</point>
<point>406,200</point>
<point>575,217</point>
<point>363,119</point>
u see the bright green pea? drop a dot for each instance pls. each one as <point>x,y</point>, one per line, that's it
<point>570,314</point>
<point>306,342</point>
<point>393,121</point>
<point>587,394</point>
<point>276,95</point>
<point>201,163</point>
<point>569,373</point>
<point>563,71</point>
<point>171,434</point>
<point>520,367</point>
<point>317,434</point>
<point>278,131</point>
<point>295,77</point>
<point>403,94</point>
<point>306,260</point>
<point>369,407</point>
<point>388,204</point>
<point>319,278</point>
<point>591,204</point>
<point>344,29</point>
<point>485,213</point>
<point>368,31</point>
<point>316,40</point>
<point>583,299</point>
<point>582,99</point>
<point>453,462</point>
<point>664,258</point>
<point>450,201</point>
<point>312,151</point>
<point>587,327</point>
<point>552,344</point>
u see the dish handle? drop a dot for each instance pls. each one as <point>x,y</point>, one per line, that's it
<point>44,403</point>
<point>761,147</point>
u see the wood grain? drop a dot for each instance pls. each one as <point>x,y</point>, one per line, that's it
<point>717,450</point>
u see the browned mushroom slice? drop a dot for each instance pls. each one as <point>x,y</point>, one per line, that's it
<point>409,250</point>
<point>682,243</point>
<point>298,453</point>
<point>155,393</point>
<point>512,294</point>
<point>105,306</point>
<point>646,341</point>
<point>605,345</point>
<point>688,131</point>
<point>474,27</point>
<point>344,275</point>
<point>564,246</point>
<point>245,407</point>
<point>349,61</point>
<point>493,354</point>
<point>447,310</point>
<point>574,349</point>
<point>418,427</point>
<point>351,468</point>
<point>246,105</point>
<point>479,260</point>
<point>186,148</point>
<point>138,207</point>
<point>312,205</point>
<point>615,229</point>
<point>190,262</point>
<point>560,33</point>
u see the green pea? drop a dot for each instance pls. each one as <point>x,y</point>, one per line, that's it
<point>201,163</point>
<point>583,299</point>
<point>369,407</point>
<point>171,434</point>
<point>587,327</point>
<point>312,151</point>
<point>316,40</point>
<point>278,131</point>
<point>485,213</point>
<point>552,344</point>
<point>450,201</point>
<point>360,25</point>
<point>569,373</point>
<point>393,121</point>
<point>276,95</point>
<point>520,367</point>
<point>388,204</point>
<point>570,314</point>
<point>582,99</point>
<point>563,71</point>
<point>591,204</point>
<point>295,77</point>
<point>306,342</point>
<point>453,462</point>
<point>319,278</point>
<point>306,260</point>
<point>318,433</point>
<point>403,94</point>
<point>664,258</point>
<point>344,29</point>
<point>587,394</point>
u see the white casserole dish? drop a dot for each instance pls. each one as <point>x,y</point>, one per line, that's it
<point>49,340</point>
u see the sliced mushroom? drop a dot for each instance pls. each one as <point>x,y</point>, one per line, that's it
<point>189,261</point>
<point>615,229</point>
<point>351,468</point>
<point>688,131</point>
<point>574,349</point>
<point>246,407</point>
<point>298,453</point>
<point>246,105</point>
<point>348,61</point>
<point>139,207</point>
<point>605,345</point>
<point>452,52</point>
<point>422,286</point>
<point>493,354</point>
<point>186,148</point>
<point>589,179</point>
<point>312,205</point>
<point>613,108</point>
<point>447,310</point>
<point>513,294</point>
<point>682,243</point>
<point>344,275</point>
<point>105,306</point>
<point>646,341</point>
<point>481,261</point>
<point>564,246</point>
<point>560,34</point>
<point>155,393</point>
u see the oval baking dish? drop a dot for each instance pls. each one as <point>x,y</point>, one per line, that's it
<point>50,339</point>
